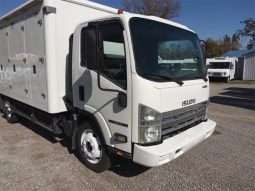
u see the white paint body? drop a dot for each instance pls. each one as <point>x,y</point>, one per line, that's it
<point>219,72</point>
<point>51,44</point>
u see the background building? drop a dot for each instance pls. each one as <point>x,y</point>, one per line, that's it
<point>245,68</point>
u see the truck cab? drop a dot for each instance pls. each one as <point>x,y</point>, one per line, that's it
<point>149,91</point>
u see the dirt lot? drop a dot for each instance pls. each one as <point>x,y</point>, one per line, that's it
<point>31,159</point>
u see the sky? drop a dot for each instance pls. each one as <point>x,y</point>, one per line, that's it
<point>208,18</point>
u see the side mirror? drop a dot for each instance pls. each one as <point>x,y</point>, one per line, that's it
<point>122,99</point>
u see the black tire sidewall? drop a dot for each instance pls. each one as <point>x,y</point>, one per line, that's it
<point>104,163</point>
<point>13,118</point>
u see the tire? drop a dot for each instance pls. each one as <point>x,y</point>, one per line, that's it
<point>228,79</point>
<point>91,149</point>
<point>9,114</point>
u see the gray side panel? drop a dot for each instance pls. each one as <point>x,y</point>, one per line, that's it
<point>4,56</point>
<point>35,50</point>
<point>4,45</point>
<point>18,63</point>
<point>24,78</point>
<point>249,68</point>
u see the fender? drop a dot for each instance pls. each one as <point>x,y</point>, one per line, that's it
<point>96,116</point>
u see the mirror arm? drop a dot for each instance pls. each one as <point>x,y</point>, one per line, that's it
<point>103,89</point>
<point>99,56</point>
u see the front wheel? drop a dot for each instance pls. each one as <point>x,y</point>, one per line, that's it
<point>228,79</point>
<point>91,148</point>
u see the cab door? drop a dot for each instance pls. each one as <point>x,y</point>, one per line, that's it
<point>103,51</point>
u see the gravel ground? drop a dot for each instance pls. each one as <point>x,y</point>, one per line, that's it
<point>31,159</point>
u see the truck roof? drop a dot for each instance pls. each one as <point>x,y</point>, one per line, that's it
<point>221,59</point>
<point>7,17</point>
<point>86,3</point>
<point>154,18</point>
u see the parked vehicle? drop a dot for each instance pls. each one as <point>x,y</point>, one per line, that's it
<point>93,73</point>
<point>222,68</point>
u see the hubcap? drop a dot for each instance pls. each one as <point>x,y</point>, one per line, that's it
<point>8,111</point>
<point>91,146</point>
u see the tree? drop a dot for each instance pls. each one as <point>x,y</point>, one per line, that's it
<point>216,48</point>
<point>212,48</point>
<point>166,9</point>
<point>226,43</point>
<point>235,40</point>
<point>248,31</point>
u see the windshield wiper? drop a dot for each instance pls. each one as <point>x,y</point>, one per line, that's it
<point>165,77</point>
<point>196,76</point>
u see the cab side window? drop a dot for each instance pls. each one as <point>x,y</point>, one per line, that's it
<point>89,48</point>
<point>113,56</point>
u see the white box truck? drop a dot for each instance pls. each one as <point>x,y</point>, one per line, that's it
<point>92,72</point>
<point>222,68</point>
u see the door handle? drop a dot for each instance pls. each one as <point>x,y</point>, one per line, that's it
<point>81,93</point>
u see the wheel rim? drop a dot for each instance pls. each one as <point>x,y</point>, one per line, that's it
<point>91,146</point>
<point>8,110</point>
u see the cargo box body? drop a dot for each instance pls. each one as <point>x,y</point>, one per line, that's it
<point>34,50</point>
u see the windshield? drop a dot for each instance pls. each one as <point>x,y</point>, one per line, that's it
<point>219,65</point>
<point>164,52</point>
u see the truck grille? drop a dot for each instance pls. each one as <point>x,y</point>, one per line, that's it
<point>217,74</point>
<point>177,120</point>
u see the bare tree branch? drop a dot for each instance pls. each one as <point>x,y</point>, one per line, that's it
<point>167,9</point>
<point>249,32</point>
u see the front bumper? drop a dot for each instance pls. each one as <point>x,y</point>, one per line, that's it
<point>217,76</point>
<point>173,147</point>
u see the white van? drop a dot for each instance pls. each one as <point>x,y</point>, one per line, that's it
<point>222,68</point>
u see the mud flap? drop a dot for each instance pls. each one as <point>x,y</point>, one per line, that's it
<point>75,127</point>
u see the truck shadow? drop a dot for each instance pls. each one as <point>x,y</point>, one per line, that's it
<point>37,129</point>
<point>121,166</point>
<point>49,136</point>
<point>216,80</point>
<point>237,97</point>
<point>127,168</point>
<point>248,93</point>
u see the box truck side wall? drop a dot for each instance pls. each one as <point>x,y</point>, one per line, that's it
<point>23,58</point>
<point>37,53</point>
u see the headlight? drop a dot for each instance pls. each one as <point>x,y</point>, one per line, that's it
<point>149,125</point>
<point>224,73</point>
